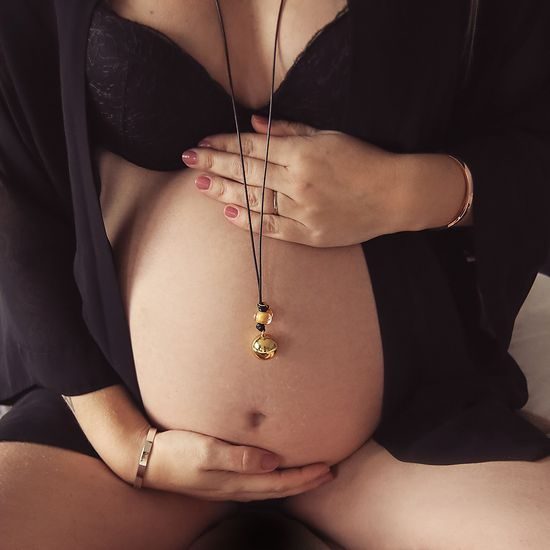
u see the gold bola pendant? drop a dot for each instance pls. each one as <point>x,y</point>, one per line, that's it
<point>263,346</point>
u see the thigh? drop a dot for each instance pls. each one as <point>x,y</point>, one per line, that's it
<point>379,502</point>
<point>57,498</point>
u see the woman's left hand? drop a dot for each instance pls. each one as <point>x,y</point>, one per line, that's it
<point>332,189</point>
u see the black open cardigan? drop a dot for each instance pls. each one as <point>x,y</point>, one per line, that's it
<point>62,321</point>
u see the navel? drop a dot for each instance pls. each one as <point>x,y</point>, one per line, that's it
<point>255,418</point>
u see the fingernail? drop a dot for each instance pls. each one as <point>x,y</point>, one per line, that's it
<point>202,182</point>
<point>230,212</point>
<point>189,157</point>
<point>204,143</point>
<point>261,119</point>
<point>323,469</point>
<point>326,477</point>
<point>269,461</point>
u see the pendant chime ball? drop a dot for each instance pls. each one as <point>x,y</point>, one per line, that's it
<point>264,346</point>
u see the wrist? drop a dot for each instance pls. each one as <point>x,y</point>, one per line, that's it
<point>114,426</point>
<point>131,454</point>
<point>145,450</point>
<point>432,189</point>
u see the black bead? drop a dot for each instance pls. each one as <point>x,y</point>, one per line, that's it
<point>263,307</point>
<point>260,327</point>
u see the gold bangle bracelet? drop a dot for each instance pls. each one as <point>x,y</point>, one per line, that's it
<point>469,194</point>
<point>144,457</point>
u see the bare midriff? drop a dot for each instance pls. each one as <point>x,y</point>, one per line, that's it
<point>189,287</point>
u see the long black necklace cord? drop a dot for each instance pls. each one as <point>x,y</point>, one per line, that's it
<point>228,65</point>
<point>263,346</point>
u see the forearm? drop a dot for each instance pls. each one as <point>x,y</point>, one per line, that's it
<point>432,189</point>
<point>114,426</point>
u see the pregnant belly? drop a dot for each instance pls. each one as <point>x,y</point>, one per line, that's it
<point>189,287</point>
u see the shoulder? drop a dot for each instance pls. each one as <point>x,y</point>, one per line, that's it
<point>30,87</point>
<point>510,49</point>
<point>28,36</point>
<point>28,48</point>
<point>26,18</point>
<point>506,22</point>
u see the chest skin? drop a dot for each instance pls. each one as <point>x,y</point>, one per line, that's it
<point>194,27</point>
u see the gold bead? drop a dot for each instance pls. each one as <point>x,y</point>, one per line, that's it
<point>264,317</point>
<point>263,346</point>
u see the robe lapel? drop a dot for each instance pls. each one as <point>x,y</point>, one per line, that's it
<point>402,86</point>
<point>94,271</point>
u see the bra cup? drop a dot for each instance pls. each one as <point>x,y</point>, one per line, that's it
<point>143,109</point>
<point>148,100</point>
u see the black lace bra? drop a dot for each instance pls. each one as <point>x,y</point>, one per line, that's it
<point>149,100</point>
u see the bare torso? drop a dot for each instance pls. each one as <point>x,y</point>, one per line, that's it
<point>189,286</point>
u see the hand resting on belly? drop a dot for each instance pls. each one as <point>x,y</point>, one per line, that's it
<point>189,286</point>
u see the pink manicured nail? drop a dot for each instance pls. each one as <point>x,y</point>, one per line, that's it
<point>189,157</point>
<point>204,143</point>
<point>269,462</point>
<point>326,478</point>
<point>231,212</point>
<point>202,182</point>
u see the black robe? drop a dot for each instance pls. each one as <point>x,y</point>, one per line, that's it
<point>446,300</point>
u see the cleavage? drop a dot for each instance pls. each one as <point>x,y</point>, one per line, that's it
<point>211,59</point>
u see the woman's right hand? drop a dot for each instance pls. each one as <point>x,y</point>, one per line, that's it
<point>212,469</point>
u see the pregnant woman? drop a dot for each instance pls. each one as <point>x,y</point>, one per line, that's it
<point>350,371</point>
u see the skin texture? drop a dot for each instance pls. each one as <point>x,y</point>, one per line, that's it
<point>75,501</point>
<point>375,502</point>
<point>195,378</point>
<point>378,502</point>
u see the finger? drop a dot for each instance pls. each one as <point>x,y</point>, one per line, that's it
<point>253,145</point>
<point>229,165</point>
<point>275,482</point>
<point>280,127</point>
<point>229,191</point>
<point>243,459</point>
<point>274,226</point>
<point>308,486</point>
